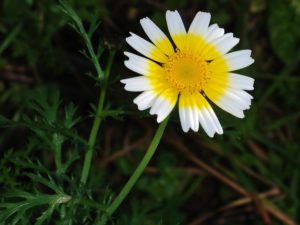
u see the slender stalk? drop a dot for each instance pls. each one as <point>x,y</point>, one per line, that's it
<point>93,56</point>
<point>96,124</point>
<point>92,138</point>
<point>137,173</point>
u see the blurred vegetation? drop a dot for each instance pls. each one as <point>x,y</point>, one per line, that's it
<point>249,175</point>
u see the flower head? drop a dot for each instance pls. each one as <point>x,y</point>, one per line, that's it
<point>195,69</point>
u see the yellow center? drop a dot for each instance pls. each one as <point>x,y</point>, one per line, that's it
<point>186,72</point>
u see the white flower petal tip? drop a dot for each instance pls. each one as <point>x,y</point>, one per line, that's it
<point>162,108</point>
<point>136,84</point>
<point>239,59</point>
<point>128,54</point>
<point>152,31</point>
<point>238,81</point>
<point>138,63</point>
<point>225,43</point>
<point>132,66</point>
<point>158,38</point>
<point>183,120</point>
<point>145,100</point>
<point>139,44</point>
<point>200,23</point>
<point>174,22</point>
<point>213,32</point>
<point>145,48</point>
<point>210,122</point>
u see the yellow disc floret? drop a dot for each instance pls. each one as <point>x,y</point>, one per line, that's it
<point>186,72</point>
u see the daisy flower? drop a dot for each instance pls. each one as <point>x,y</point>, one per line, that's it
<point>194,69</point>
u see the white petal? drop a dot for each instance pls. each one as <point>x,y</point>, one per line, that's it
<point>230,108</point>
<point>236,98</point>
<point>210,117</point>
<point>137,84</point>
<point>141,65</point>
<point>140,44</point>
<point>136,63</point>
<point>190,118</point>
<point>152,31</point>
<point>145,100</point>
<point>240,81</point>
<point>183,119</point>
<point>174,22</point>
<point>209,120</point>
<point>200,23</point>
<point>145,48</point>
<point>194,109</point>
<point>188,113</point>
<point>207,127</point>
<point>239,59</point>
<point>215,121</point>
<point>156,105</point>
<point>164,110</point>
<point>234,81</point>
<point>187,118</point>
<point>225,43</point>
<point>162,106</point>
<point>156,35</point>
<point>213,32</point>
<point>243,97</point>
<point>232,101</point>
<point>196,119</point>
<point>192,113</point>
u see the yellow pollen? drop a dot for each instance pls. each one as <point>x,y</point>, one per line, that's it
<point>186,72</point>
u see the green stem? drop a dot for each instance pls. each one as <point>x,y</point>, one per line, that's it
<point>96,124</point>
<point>93,56</point>
<point>92,138</point>
<point>137,173</point>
